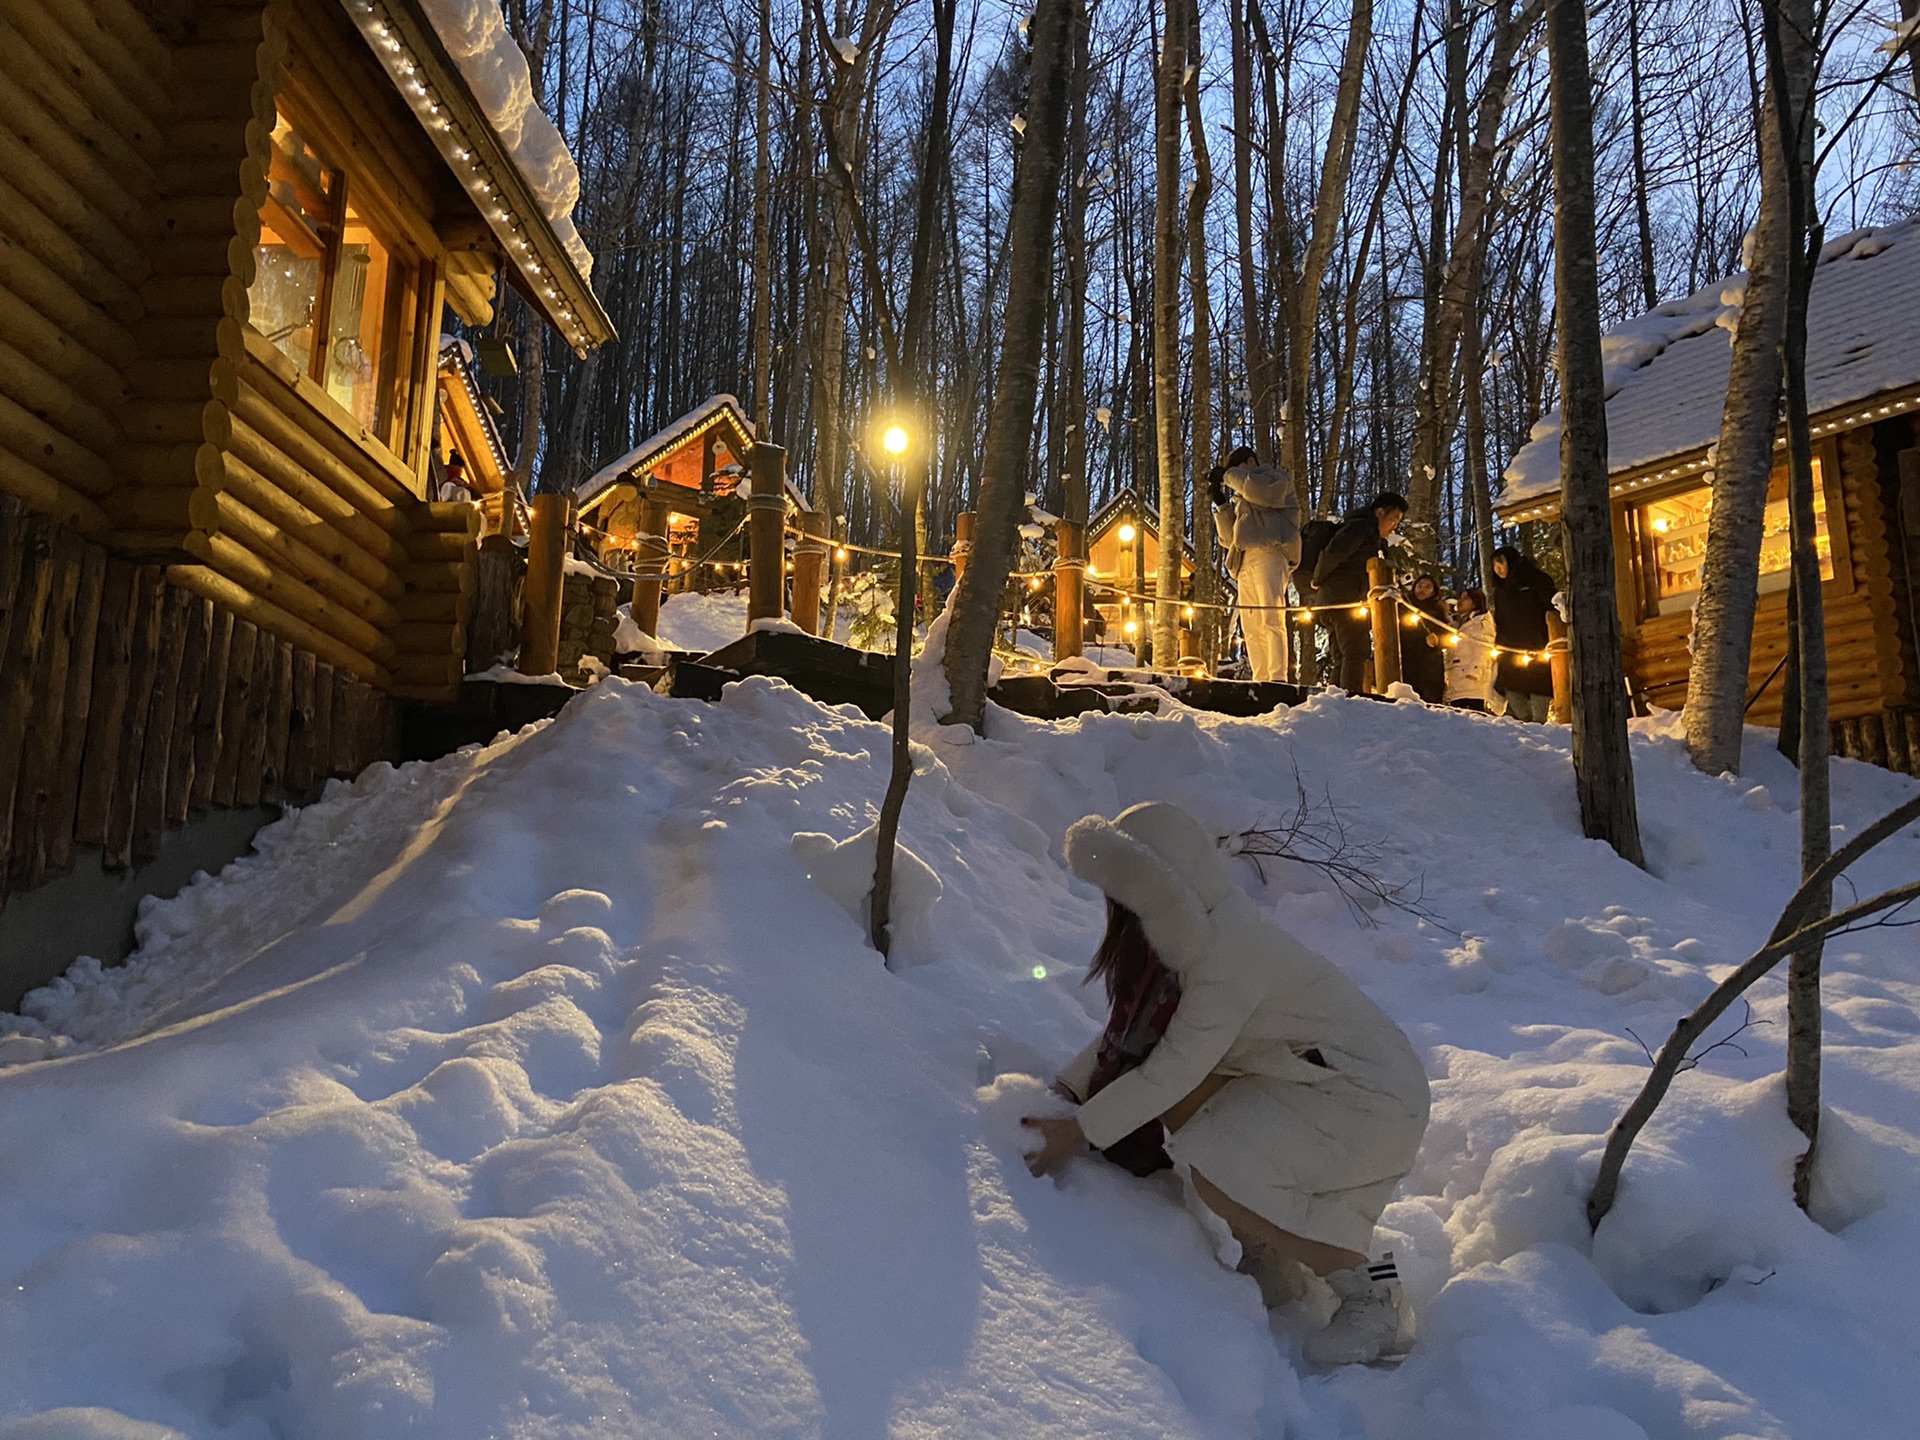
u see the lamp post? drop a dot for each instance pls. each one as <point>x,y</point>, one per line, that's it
<point>895,441</point>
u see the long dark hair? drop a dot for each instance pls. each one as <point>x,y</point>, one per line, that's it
<point>1125,954</point>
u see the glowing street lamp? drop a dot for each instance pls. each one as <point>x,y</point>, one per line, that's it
<point>1127,532</point>
<point>895,441</point>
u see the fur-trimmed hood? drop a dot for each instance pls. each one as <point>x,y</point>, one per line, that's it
<point>1157,861</point>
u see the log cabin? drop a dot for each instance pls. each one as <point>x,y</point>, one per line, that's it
<point>230,231</point>
<point>1667,374</point>
<point>684,488</point>
<point>1123,560</point>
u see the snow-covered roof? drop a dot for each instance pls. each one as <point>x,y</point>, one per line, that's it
<point>495,69</point>
<point>467,83</point>
<point>1666,371</point>
<point>1124,503</point>
<point>651,449</point>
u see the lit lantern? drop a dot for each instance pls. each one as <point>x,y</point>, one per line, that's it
<point>1127,532</point>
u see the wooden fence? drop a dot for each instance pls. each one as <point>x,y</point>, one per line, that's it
<point>129,703</point>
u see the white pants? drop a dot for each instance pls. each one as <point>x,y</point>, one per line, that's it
<point>1263,581</point>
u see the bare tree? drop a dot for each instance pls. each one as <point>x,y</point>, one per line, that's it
<point>1206,590</point>
<point>1602,764</point>
<point>976,601</point>
<point>1792,42</point>
<point>1167,95</point>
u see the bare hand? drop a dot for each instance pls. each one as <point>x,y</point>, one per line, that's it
<point>1061,1141</point>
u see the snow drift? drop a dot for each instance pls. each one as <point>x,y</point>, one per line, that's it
<point>540,1092</point>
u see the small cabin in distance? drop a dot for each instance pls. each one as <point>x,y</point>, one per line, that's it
<point>1123,560</point>
<point>1863,391</point>
<point>687,484</point>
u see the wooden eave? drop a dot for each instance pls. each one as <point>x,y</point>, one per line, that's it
<point>1129,505</point>
<point>640,461</point>
<point>538,265</point>
<point>1689,463</point>
<point>456,381</point>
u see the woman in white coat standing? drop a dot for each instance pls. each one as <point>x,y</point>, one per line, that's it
<point>1256,516</point>
<point>1295,1102</point>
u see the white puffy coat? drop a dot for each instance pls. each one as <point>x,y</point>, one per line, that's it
<point>1315,1148</point>
<point>1470,663</point>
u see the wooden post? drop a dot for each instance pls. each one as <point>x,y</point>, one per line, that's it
<point>766,534</point>
<point>1386,625</point>
<point>809,557</point>
<point>962,544</point>
<point>1069,593</point>
<point>649,564</point>
<point>546,573</point>
<point>1560,659</point>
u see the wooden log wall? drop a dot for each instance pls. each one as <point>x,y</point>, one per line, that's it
<point>1870,666</point>
<point>129,705</point>
<point>135,402</point>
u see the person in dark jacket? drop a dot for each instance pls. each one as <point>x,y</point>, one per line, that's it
<point>1423,636</point>
<point>1340,579</point>
<point>1522,598</point>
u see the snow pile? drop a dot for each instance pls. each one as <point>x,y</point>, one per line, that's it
<point>1665,395</point>
<point>495,69</point>
<point>551,1089</point>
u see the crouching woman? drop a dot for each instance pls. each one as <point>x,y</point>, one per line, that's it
<point>1233,1049</point>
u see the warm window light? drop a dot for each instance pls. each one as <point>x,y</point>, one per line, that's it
<point>1127,532</point>
<point>895,440</point>
<point>1660,522</point>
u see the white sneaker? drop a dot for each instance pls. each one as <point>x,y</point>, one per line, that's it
<point>1367,1328</point>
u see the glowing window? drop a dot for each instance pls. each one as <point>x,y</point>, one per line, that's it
<point>1673,536</point>
<point>328,289</point>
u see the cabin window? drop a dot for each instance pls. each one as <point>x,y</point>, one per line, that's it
<point>329,290</point>
<point>1673,541</point>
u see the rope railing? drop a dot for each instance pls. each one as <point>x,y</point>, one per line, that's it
<point>1411,616</point>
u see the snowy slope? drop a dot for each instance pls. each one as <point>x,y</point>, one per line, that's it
<point>540,1092</point>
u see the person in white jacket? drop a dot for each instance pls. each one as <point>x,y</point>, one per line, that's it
<point>1469,654</point>
<point>1256,515</point>
<point>1295,1102</point>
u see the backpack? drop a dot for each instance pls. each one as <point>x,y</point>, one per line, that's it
<point>1314,536</point>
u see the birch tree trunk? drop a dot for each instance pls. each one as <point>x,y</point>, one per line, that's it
<point>1073,398</point>
<point>1602,764</point>
<point>1329,207</point>
<point>1433,425</point>
<point>1716,705</point>
<point>1261,388</point>
<point>1169,82</point>
<point>1205,586</point>
<point>760,403</point>
<point>976,602</point>
<point>1792,37</point>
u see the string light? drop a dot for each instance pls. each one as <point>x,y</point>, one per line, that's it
<point>1359,612</point>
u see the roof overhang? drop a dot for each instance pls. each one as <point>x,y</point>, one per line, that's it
<point>1689,463</point>
<point>1130,504</point>
<point>410,50</point>
<point>722,412</point>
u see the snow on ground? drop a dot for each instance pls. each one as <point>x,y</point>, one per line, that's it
<point>539,1092</point>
